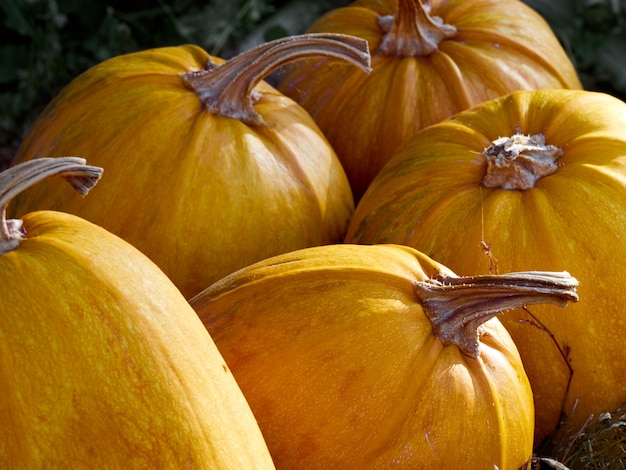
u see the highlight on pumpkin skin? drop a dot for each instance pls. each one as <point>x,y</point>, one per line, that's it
<point>226,89</point>
<point>16,179</point>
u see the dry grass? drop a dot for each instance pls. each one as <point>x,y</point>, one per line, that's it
<point>599,444</point>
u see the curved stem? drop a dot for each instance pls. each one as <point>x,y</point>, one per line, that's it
<point>413,32</point>
<point>20,177</point>
<point>458,306</point>
<point>227,89</point>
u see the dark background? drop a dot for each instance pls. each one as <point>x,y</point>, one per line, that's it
<point>46,43</point>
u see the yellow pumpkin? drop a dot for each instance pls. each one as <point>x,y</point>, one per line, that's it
<point>378,357</point>
<point>534,179</point>
<point>206,164</point>
<point>430,60</point>
<point>104,363</point>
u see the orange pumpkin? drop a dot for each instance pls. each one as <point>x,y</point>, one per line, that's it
<point>206,165</point>
<point>378,357</point>
<point>537,178</point>
<point>430,60</point>
<point>104,363</point>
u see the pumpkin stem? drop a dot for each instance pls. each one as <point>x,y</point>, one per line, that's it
<point>413,32</point>
<point>458,306</point>
<point>20,177</point>
<point>227,89</point>
<point>519,161</point>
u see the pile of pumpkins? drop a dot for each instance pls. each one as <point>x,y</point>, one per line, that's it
<point>308,275</point>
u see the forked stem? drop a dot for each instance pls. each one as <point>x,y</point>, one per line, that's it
<point>24,175</point>
<point>458,306</point>
<point>227,89</point>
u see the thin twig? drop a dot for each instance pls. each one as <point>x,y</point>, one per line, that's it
<point>563,351</point>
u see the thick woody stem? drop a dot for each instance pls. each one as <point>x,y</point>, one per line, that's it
<point>413,32</point>
<point>20,177</point>
<point>519,161</point>
<point>227,89</point>
<point>458,306</point>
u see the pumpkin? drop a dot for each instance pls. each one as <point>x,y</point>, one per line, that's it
<point>206,164</point>
<point>378,357</point>
<point>536,178</point>
<point>104,363</point>
<point>430,60</point>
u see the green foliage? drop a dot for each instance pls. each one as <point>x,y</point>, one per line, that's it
<point>46,43</point>
<point>593,32</point>
<point>600,443</point>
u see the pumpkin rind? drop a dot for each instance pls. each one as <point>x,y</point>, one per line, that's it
<point>340,365</point>
<point>187,187</point>
<point>431,196</point>
<point>99,361</point>
<point>499,47</point>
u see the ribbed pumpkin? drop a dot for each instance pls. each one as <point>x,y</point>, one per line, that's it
<point>378,357</point>
<point>537,178</point>
<point>430,60</point>
<point>208,168</point>
<point>103,363</point>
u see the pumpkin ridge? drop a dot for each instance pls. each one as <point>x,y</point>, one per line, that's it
<point>394,422</point>
<point>263,271</point>
<point>479,36</point>
<point>94,78</point>
<point>176,59</point>
<point>454,80</point>
<point>257,280</point>
<point>486,380</point>
<point>286,154</point>
<point>364,26</point>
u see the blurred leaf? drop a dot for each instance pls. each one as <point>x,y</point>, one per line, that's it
<point>13,60</point>
<point>15,18</point>
<point>612,61</point>
<point>592,33</point>
<point>44,44</point>
<point>274,32</point>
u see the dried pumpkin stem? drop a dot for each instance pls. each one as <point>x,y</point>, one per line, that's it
<point>458,306</point>
<point>20,177</point>
<point>227,89</point>
<point>519,161</point>
<point>413,32</point>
